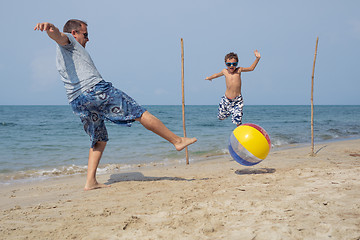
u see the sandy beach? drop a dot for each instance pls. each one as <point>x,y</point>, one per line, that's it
<point>290,195</point>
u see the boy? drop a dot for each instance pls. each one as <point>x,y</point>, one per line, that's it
<point>95,100</point>
<point>232,102</point>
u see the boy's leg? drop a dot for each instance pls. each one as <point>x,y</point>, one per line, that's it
<point>237,111</point>
<point>153,124</point>
<point>95,154</point>
<point>223,111</point>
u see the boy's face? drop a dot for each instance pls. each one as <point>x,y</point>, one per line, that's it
<point>231,64</point>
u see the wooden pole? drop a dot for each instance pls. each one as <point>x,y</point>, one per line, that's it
<point>183,97</point>
<point>312,101</point>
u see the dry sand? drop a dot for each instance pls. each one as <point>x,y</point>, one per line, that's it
<point>290,195</point>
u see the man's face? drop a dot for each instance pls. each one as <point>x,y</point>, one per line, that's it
<point>81,35</point>
<point>231,64</point>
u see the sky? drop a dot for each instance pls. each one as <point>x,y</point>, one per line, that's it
<point>136,45</point>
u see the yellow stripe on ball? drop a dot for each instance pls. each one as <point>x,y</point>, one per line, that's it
<point>252,140</point>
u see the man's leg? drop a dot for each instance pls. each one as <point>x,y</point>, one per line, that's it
<point>95,154</point>
<point>153,124</point>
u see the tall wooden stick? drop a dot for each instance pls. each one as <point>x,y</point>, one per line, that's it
<point>312,101</point>
<point>183,98</point>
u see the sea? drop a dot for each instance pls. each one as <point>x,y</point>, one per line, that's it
<point>42,142</point>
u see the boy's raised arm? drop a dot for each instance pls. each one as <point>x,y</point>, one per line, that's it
<point>53,32</point>
<point>216,75</point>
<point>252,67</point>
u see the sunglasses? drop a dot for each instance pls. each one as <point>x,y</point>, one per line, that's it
<point>231,64</point>
<point>86,35</point>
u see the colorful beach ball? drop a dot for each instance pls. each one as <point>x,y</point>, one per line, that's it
<point>249,144</point>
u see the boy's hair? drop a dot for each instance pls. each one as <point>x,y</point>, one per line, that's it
<point>231,56</point>
<point>73,24</point>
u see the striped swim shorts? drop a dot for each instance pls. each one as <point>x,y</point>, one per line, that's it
<point>104,102</point>
<point>232,107</point>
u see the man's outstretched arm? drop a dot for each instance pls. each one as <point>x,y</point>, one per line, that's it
<point>53,33</point>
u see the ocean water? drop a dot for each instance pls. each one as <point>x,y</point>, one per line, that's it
<point>38,142</point>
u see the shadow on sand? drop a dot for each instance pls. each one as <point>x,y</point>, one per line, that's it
<point>255,171</point>
<point>137,176</point>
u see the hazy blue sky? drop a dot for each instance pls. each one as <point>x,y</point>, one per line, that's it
<point>136,45</point>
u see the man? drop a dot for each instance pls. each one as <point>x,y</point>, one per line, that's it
<point>95,100</point>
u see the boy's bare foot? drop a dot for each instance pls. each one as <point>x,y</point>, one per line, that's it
<point>95,186</point>
<point>184,142</point>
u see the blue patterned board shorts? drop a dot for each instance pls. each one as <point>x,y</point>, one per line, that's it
<point>104,102</point>
<point>232,107</point>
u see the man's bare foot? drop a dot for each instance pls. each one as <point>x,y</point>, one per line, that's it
<point>95,186</point>
<point>184,142</point>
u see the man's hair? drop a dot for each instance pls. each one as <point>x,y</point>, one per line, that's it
<point>231,56</point>
<point>73,24</point>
